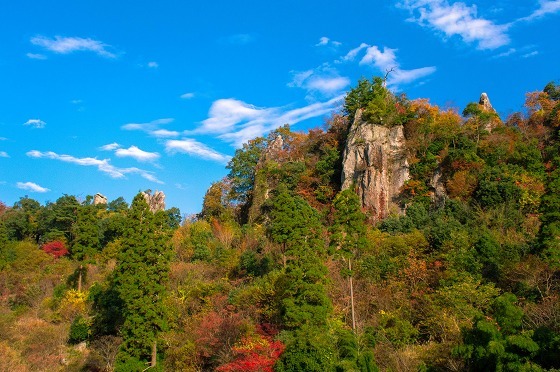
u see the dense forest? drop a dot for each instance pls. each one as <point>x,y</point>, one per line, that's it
<point>284,269</point>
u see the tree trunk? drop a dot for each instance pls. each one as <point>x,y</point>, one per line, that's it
<point>80,278</point>
<point>351,295</point>
<point>154,354</point>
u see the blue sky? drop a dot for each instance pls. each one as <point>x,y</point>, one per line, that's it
<point>121,96</point>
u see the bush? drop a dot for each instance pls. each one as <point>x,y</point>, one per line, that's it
<point>79,330</point>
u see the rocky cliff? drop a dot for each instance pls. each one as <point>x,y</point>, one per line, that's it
<point>375,164</point>
<point>156,201</point>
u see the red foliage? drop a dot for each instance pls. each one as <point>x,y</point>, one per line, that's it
<point>256,353</point>
<point>217,330</point>
<point>55,248</point>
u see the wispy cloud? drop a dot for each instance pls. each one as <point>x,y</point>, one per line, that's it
<point>36,56</point>
<point>457,19</point>
<point>351,55</point>
<point>35,123</point>
<point>153,64</point>
<point>324,41</point>
<point>30,186</point>
<point>545,7</point>
<point>530,54</point>
<point>386,61</point>
<point>507,53</point>
<point>152,127</point>
<point>103,166</point>
<point>324,80</point>
<point>236,122</point>
<point>110,147</point>
<point>164,133</point>
<point>138,154</point>
<point>4,154</point>
<point>66,45</point>
<point>187,95</point>
<point>195,148</point>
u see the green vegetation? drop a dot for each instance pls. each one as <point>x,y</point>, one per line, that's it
<point>284,271</point>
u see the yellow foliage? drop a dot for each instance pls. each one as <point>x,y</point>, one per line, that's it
<point>72,304</point>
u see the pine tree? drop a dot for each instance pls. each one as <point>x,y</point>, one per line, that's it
<point>141,275</point>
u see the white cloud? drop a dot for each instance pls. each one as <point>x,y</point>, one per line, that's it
<point>110,147</point>
<point>187,95</point>
<point>328,84</point>
<point>147,127</point>
<point>4,154</point>
<point>386,62</point>
<point>76,101</point>
<point>457,19</point>
<point>66,45</point>
<point>237,122</point>
<point>36,56</point>
<point>545,7</point>
<point>3,139</point>
<point>351,55</point>
<point>164,133</point>
<point>225,114</point>
<point>153,64</point>
<point>323,41</point>
<point>382,60</point>
<point>153,128</point>
<point>102,165</point>
<point>35,123</point>
<point>30,186</point>
<point>195,148</point>
<point>138,154</point>
<point>324,80</point>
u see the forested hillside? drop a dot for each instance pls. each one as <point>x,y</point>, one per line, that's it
<point>284,269</point>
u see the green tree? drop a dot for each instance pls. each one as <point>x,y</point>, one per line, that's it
<point>295,225</point>
<point>86,233</point>
<point>242,169</point>
<point>348,234</point>
<point>499,343</point>
<point>379,104</point>
<point>140,278</point>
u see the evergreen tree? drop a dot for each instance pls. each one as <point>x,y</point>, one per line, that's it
<point>348,234</point>
<point>86,233</point>
<point>140,277</point>
<point>296,226</point>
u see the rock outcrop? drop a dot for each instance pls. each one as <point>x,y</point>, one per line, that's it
<point>485,103</point>
<point>375,164</point>
<point>99,199</point>
<point>438,193</point>
<point>156,201</point>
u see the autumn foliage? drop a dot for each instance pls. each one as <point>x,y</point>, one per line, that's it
<point>256,353</point>
<point>55,248</point>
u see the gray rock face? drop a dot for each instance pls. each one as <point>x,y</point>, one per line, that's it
<point>374,162</point>
<point>156,201</point>
<point>438,191</point>
<point>485,102</point>
<point>99,199</point>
